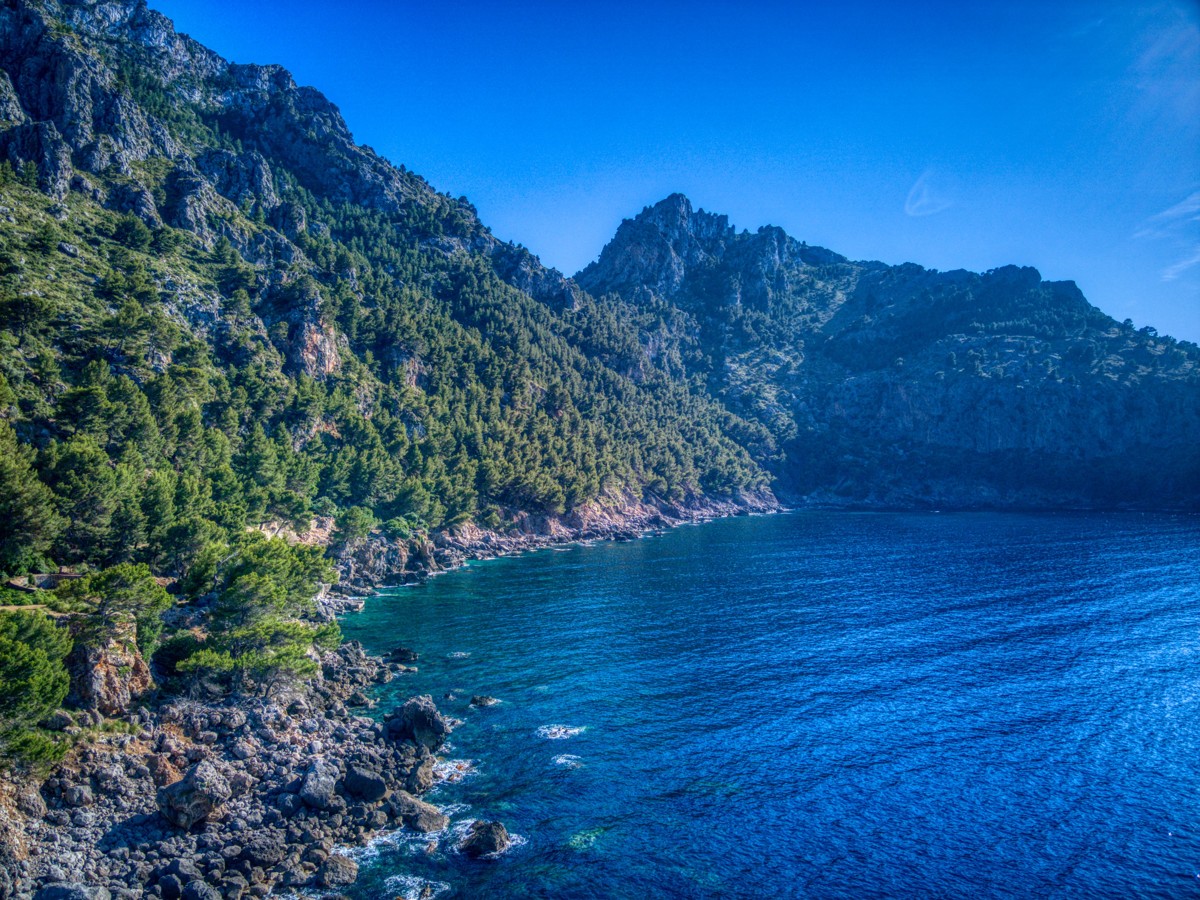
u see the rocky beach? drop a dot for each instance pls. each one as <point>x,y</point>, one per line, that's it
<point>249,796</point>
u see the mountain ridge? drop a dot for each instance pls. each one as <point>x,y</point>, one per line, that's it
<point>242,356</point>
<point>846,335</point>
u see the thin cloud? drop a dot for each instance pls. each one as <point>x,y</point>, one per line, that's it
<point>1177,224</point>
<point>1170,273</point>
<point>1188,207</point>
<point>926,198</point>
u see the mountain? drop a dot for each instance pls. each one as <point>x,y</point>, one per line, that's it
<point>242,356</point>
<point>223,323</point>
<point>906,386</point>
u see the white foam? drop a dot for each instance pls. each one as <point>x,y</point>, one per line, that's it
<point>454,770</point>
<point>560,732</point>
<point>458,654</point>
<point>568,761</point>
<point>410,886</point>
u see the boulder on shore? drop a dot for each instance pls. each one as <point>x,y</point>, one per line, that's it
<point>195,797</point>
<point>337,871</point>
<point>417,814</point>
<point>365,782</point>
<point>420,722</point>
<point>320,784</point>
<point>485,839</point>
<point>71,891</point>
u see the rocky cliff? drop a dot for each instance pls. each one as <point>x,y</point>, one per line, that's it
<point>899,384</point>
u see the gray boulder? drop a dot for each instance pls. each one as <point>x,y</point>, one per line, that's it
<point>337,871</point>
<point>420,777</point>
<point>485,839</point>
<point>72,891</point>
<point>199,890</point>
<point>420,722</point>
<point>264,848</point>
<point>365,783</point>
<point>199,794</point>
<point>320,784</point>
<point>417,814</point>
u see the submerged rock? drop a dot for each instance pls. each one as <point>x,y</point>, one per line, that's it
<point>485,839</point>
<point>483,700</point>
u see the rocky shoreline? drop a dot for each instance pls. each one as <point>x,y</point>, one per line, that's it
<point>249,796</point>
<point>378,561</point>
<point>228,800</point>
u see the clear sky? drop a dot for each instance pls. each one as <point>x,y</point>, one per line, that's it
<point>1064,135</point>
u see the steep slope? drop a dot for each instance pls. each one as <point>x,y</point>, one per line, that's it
<point>221,321</point>
<point>899,384</point>
<point>281,248</point>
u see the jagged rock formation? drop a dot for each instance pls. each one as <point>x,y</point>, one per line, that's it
<point>902,385</point>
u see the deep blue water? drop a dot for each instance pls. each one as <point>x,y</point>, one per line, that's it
<point>819,704</point>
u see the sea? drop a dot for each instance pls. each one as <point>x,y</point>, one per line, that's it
<point>814,704</point>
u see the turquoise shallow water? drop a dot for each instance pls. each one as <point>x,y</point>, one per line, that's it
<point>818,704</point>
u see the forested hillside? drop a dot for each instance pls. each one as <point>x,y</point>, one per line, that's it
<point>223,320</point>
<point>222,317</point>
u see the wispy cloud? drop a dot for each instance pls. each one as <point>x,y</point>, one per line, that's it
<point>1165,223</point>
<point>1178,224</point>
<point>1170,273</point>
<point>927,197</point>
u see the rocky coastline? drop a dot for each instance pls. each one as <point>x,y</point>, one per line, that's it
<point>377,560</point>
<point>248,797</point>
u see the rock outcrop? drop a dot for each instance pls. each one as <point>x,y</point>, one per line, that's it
<point>898,385</point>
<point>419,722</point>
<point>485,839</point>
<point>109,677</point>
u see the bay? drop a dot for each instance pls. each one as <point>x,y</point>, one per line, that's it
<point>816,704</point>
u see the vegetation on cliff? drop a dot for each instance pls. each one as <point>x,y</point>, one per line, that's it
<point>221,316</point>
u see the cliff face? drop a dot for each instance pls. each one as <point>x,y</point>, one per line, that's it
<point>851,381</point>
<point>93,88</point>
<point>901,384</point>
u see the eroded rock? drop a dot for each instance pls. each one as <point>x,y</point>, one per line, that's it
<point>485,839</point>
<point>194,798</point>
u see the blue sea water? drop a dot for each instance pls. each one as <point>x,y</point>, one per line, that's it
<point>818,704</point>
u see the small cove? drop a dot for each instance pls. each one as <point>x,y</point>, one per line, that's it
<point>817,704</point>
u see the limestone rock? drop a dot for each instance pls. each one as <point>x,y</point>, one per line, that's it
<point>194,798</point>
<point>40,143</point>
<point>109,677</point>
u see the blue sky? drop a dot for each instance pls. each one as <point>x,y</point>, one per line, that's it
<point>955,135</point>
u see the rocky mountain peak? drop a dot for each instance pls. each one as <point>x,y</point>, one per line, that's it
<point>656,249</point>
<point>670,248</point>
